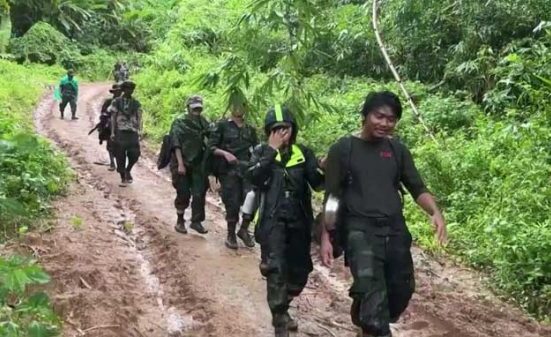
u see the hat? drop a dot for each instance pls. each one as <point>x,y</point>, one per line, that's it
<point>116,87</point>
<point>195,102</point>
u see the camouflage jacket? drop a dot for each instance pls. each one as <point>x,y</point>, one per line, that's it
<point>190,135</point>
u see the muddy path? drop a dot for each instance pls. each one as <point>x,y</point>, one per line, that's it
<point>119,268</point>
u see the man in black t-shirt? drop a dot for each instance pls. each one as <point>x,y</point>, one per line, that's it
<point>365,173</point>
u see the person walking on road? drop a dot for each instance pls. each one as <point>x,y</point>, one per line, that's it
<point>232,142</point>
<point>284,173</point>
<point>68,87</point>
<point>189,137</point>
<point>126,131</point>
<point>365,175</point>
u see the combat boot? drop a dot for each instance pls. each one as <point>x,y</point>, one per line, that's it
<point>198,227</point>
<point>231,240</point>
<point>279,322</point>
<point>281,331</point>
<point>181,224</point>
<point>244,235</point>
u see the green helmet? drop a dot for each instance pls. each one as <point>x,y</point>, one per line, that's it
<point>279,114</point>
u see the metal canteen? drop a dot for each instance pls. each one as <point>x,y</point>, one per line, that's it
<point>330,211</point>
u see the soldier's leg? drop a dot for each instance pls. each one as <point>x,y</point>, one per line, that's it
<point>182,185</point>
<point>73,105</point>
<point>243,232</point>
<point>63,105</point>
<point>399,275</point>
<point>299,264</point>
<point>199,184</point>
<point>275,248</point>
<point>120,154</point>
<point>366,253</point>
<point>230,197</point>
<point>133,154</point>
<point>111,150</point>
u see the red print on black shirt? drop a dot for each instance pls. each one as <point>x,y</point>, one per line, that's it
<point>386,154</point>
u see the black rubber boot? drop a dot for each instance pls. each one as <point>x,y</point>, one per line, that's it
<point>181,224</point>
<point>279,322</point>
<point>231,240</point>
<point>281,331</point>
<point>198,227</point>
<point>244,235</point>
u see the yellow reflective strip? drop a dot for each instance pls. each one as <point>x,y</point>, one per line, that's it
<point>278,113</point>
<point>297,157</point>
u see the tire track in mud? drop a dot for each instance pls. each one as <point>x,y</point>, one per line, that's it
<point>192,285</point>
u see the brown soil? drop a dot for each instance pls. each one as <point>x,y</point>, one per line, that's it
<point>119,268</point>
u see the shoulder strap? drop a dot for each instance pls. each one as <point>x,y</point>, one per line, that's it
<point>396,149</point>
<point>348,163</point>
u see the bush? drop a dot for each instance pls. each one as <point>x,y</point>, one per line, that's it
<point>23,313</point>
<point>31,173</point>
<point>44,44</point>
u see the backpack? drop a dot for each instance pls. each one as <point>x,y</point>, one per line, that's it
<point>165,154</point>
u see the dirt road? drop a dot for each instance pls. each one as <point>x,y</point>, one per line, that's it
<point>120,269</point>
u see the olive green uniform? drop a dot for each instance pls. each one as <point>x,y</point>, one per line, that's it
<point>189,135</point>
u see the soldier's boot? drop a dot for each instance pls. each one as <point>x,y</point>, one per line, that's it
<point>292,325</point>
<point>231,240</point>
<point>181,224</point>
<point>281,331</point>
<point>198,227</point>
<point>244,235</point>
<point>61,114</point>
<point>279,321</point>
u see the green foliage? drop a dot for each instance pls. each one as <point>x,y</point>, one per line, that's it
<point>43,44</point>
<point>485,91</point>
<point>31,173</point>
<point>23,313</point>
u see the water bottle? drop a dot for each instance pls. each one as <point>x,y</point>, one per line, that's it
<point>249,205</point>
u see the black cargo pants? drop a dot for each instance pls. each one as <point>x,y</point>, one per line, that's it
<point>234,190</point>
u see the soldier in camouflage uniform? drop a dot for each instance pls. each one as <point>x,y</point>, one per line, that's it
<point>365,173</point>
<point>232,141</point>
<point>105,120</point>
<point>126,129</point>
<point>69,94</point>
<point>283,173</point>
<point>189,135</point>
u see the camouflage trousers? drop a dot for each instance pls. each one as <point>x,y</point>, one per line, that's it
<point>190,187</point>
<point>234,190</point>
<point>286,254</point>
<point>382,269</point>
<point>72,101</point>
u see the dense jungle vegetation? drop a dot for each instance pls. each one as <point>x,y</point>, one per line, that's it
<point>479,71</point>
